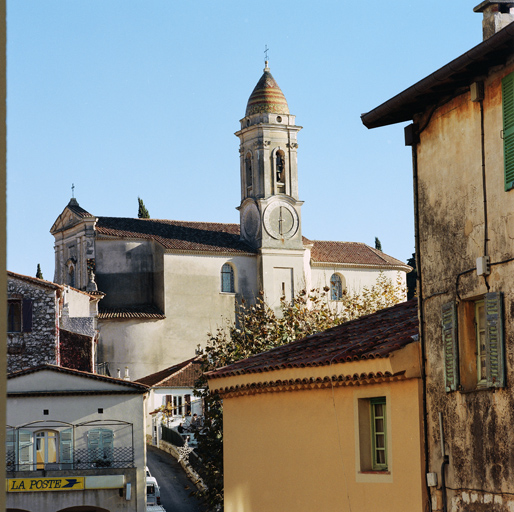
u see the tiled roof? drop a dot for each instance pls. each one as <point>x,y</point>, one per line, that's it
<point>74,206</point>
<point>267,97</point>
<point>179,235</point>
<point>182,375</point>
<point>34,280</point>
<point>369,337</point>
<point>213,236</point>
<point>351,252</point>
<point>142,311</point>
<point>135,385</point>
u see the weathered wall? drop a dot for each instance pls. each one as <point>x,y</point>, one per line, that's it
<point>477,422</point>
<point>194,306</point>
<point>38,346</point>
<point>299,451</point>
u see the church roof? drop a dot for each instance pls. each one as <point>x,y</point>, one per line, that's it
<point>218,237</point>
<point>350,253</point>
<point>178,235</point>
<point>369,337</point>
<point>74,206</point>
<point>267,97</point>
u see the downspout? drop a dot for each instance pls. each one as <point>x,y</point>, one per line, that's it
<point>484,189</point>
<point>444,463</point>
<point>413,141</point>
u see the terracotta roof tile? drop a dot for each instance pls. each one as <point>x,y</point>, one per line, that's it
<point>368,337</point>
<point>351,252</point>
<point>180,235</point>
<point>182,375</point>
<point>141,311</point>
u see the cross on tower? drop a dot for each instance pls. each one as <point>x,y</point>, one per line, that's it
<point>73,190</point>
<point>266,53</point>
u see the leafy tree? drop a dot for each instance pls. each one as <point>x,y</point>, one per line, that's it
<point>378,245</point>
<point>142,213</point>
<point>39,274</point>
<point>258,329</point>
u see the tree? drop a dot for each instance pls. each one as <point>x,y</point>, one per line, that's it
<point>412,277</point>
<point>378,245</point>
<point>142,213</point>
<point>39,274</point>
<point>258,329</point>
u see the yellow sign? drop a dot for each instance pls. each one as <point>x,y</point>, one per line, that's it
<point>45,484</point>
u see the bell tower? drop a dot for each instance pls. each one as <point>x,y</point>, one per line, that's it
<point>270,209</point>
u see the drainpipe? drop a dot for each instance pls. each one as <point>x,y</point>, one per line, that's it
<point>445,462</point>
<point>412,139</point>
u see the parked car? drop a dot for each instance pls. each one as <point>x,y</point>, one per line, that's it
<point>153,493</point>
<point>155,508</point>
<point>148,471</point>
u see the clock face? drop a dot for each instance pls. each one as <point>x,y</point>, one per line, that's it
<point>250,222</point>
<point>280,220</point>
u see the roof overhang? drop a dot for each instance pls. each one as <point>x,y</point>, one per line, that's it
<point>445,83</point>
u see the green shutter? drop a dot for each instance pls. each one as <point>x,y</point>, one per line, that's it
<point>508,129</point>
<point>25,450</point>
<point>494,340</point>
<point>66,448</point>
<point>450,347</point>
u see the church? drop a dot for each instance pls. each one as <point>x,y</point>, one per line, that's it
<point>168,283</point>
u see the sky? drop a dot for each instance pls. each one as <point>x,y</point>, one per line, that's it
<point>127,99</point>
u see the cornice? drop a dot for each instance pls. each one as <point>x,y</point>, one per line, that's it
<point>386,266</point>
<point>334,381</point>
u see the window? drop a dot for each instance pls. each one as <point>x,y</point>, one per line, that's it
<point>100,446</point>
<point>227,278</point>
<point>378,434</point>
<point>45,449</point>
<point>373,438</point>
<point>336,287</point>
<point>248,173</point>
<point>473,343</point>
<point>19,315</point>
<point>508,129</point>
<point>177,406</point>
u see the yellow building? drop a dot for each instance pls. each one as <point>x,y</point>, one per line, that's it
<point>328,423</point>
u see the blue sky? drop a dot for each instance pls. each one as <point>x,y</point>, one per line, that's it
<point>142,98</point>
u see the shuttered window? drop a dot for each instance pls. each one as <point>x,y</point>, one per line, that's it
<point>66,448</point>
<point>508,129</point>
<point>100,446</point>
<point>450,347</point>
<point>487,341</point>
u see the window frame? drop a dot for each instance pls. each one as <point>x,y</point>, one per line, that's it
<point>336,286</point>
<point>375,464</point>
<point>227,270</point>
<point>14,316</point>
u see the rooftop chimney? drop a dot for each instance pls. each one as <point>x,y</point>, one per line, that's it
<point>126,377</point>
<point>497,14</point>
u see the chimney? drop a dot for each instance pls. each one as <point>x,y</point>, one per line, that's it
<point>126,377</point>
<point>497,14</point>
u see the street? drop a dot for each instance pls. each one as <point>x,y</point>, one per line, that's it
<point>174,484</point>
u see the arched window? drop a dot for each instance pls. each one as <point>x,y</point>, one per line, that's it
<point>280,165</point>
<point>336,287</point>
<point>248,173</point>
<point>227,278</point>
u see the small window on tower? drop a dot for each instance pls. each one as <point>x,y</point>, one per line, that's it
<point>280,167</point>
<point>248,174</point>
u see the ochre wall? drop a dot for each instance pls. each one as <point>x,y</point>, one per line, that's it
<point>296,450</point>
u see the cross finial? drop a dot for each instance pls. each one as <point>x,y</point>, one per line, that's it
<point>73,190</point>
<point>266,49</point>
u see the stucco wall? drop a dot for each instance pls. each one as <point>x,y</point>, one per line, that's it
<point>478,422</point>
<point>298,451</point>
<point>194,306</point>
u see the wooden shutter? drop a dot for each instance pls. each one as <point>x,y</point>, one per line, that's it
<point>27,315</point>
<point>25,450</point>
<point>450,347</point>
<point>10,449</point>
<point>93,444</point>
<point>494,340</point>
<point>66,448</point>
<point>106,438</point>
<point>187,400</point>
<point>508,129</point>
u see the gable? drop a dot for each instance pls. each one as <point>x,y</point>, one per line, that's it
<point>58,380</point>
<point>72,215</point>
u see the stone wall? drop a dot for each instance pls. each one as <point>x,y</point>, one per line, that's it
<point>37,345</point>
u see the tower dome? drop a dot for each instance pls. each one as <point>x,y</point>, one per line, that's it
<point>267,97</point>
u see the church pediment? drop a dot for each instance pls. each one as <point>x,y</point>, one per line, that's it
<point>72,215</point>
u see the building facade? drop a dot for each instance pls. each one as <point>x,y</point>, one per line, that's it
<point>330,422</point>
<point>74,441</point>
<point>49,323</point>
<point>168,283</point>
<point>462,138</point>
